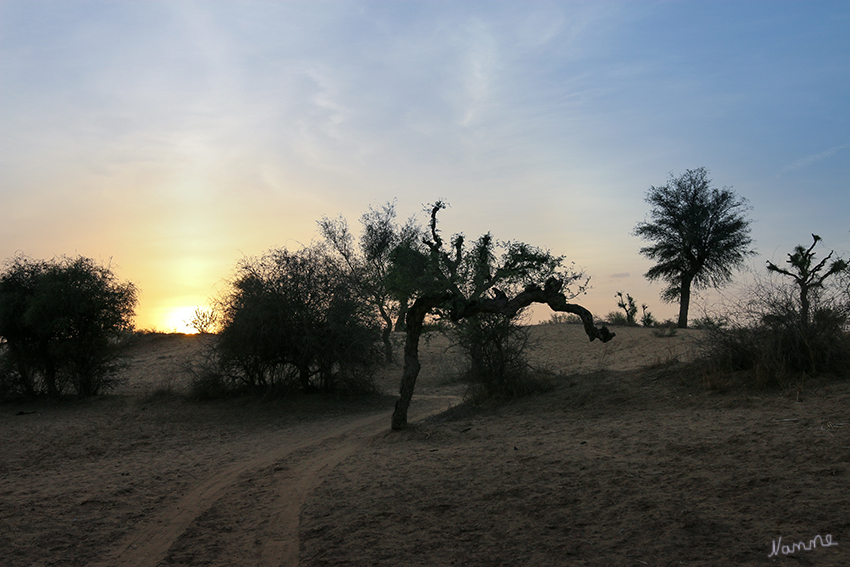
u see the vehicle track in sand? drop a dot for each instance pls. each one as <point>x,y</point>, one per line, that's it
<point>248,512</point>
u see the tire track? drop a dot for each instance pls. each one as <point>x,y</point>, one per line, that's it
<point>261,496</point>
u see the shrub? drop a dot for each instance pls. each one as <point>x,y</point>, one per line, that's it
<point>496,353</point>
<point>788,330</point>
<point>616,318</point>
<point>709,322</point>
<point>777,353</point>
<point>564,319</point>
<point>61,321</point>
<point>291,321</point>
<point>665,329</point>
<point>204,321</point>
<point>647,319</point>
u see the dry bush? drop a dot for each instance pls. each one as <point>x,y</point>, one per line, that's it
<point>61,324</point>
<point>291,321</point>
<point>496,350</point>
<point>770,344</point>
<point>212,378</point>
<point>563,319</point>
<point>666,329</point>
<point>615,318</point>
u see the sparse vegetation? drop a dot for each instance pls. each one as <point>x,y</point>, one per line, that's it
<point>787,332</point>
<point>563,319</point>
<point>665,329</point>
<point>710,322</point>
<point>615,318</point>
<point>496,349</point>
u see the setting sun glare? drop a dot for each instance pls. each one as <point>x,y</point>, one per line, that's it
<point>179,320</point>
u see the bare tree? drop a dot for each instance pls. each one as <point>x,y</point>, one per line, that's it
<point>806,276</point>
<point>699,235</point>
<point>627,304</point>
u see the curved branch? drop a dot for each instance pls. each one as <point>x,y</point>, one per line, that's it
<point>461,308</point>
<point>550,295</point>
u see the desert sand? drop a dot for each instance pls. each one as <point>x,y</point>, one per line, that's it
<point>632,459</point>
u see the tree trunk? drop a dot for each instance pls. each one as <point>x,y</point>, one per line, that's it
<point>388,344</point>
<point>50,371</point>
<point>304,377</point>
<point>385,335</point>
<point>415,320</point>
<point>27,381</point>
<point>402,315</point>
<point>684,302</point>
<point>804,305</point>
<point>463,308</point>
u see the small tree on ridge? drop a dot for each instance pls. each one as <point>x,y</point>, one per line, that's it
<point>806,276</point>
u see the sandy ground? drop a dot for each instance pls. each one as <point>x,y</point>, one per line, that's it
<point>630,460</point>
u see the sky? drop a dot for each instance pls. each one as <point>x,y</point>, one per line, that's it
<point>171,139</point>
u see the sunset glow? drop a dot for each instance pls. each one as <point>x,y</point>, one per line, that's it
<point>179,320</point>
<point>172,139</point>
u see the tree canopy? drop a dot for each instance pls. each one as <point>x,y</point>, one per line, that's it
<point>369,260</point>
<point>59,319</point>
<point>699,234</point>
<point>293,319</point>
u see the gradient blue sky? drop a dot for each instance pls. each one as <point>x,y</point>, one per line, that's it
<point>176,137</point>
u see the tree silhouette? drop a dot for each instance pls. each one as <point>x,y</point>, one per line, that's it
<point>369,260</point>
<point>699,235</point>
<point>627,304</point>
<point>808,277</point>
<point>462,282</point>
<point>292,318</point>
<point>60,319</point>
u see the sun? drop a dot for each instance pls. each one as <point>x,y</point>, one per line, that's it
<point>179,320</point>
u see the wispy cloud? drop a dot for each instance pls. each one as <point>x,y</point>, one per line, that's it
<point>184,133</point>
<point>809,160</point>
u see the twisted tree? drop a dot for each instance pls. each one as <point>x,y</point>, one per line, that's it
<point>460,282</point>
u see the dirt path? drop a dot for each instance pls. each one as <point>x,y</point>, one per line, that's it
<point>248,512</point>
